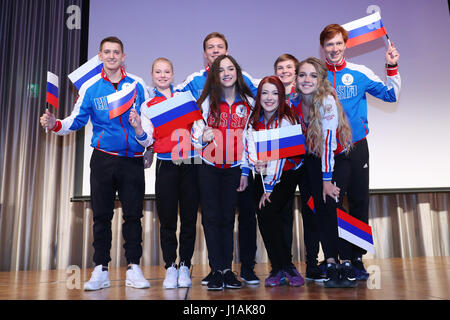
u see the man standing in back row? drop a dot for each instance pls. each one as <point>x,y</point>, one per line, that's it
<point>352,82</point>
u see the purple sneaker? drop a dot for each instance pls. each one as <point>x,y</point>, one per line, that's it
<point>274,278</point>
<point>294,278</point>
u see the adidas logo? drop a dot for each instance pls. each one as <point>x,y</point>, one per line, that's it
<point>365,166</point>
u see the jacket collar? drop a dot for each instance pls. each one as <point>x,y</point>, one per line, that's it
<point>336,66</point>
<point>122,70</point>
<point>159,94</point>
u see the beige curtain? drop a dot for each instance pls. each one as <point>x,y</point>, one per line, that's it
<point>404,225</point>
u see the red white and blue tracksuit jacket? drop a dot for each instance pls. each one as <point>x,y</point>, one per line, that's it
<point>351,82</point>
<point>330,122</point>
<point>196,81</point>
<point>227,149</point>
<point>114,136</point>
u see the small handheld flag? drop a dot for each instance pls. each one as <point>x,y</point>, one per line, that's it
<point>364,30</point>
<point>173,113</point>
<point>354,231</point>
<point>52,89</point>
<point>279,143</point>
<point>86,71</point>
<point>119,102</point>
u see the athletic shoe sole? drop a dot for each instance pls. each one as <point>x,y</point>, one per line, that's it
<point>128,283</point>
<point>189,285</point>
<point>216,289</point>
<point>250,281</point>
<point>228,286</point>
<point>106,284</point>
<point>315,280</point>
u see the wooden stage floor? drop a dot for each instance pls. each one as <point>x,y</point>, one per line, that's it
<point>422,278</point>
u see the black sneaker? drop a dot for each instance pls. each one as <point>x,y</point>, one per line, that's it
<point>313,273</point>
<point>248,276</point>
<point>216,281</point>
<point>230,280</point>
<point>332,276</point>
<point>347,275</point>
<point>360,271</point>
<point>323,268</point>
<point>206,279</point>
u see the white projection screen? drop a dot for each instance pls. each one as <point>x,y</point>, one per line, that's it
<point>408,140</point>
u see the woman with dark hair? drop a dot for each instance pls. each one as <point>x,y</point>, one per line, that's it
<point>278,184</point>
<point>225,104</point>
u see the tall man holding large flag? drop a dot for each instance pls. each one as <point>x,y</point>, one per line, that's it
<point>117,160</point>
<point>352,82</point>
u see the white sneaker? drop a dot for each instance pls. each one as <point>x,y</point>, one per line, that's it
<point>184,278</point>
<point>99,280</point>
<point>135,278</point>
<point>171,280</point>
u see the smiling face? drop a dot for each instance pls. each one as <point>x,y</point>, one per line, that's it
<point>334,48</point>
<point>162,74</point>
<point>227,73</point>
<point>307,79</point>
<point>285,70</point>
<point>112,56</point>
<point>214,47</point>
<point>269,99</point>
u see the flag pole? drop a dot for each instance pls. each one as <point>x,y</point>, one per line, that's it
<point>214,140</point>
<point>46,109</point>
<point>134,107</point>
<point>388,40</point>
<point>262,179</point>
<point>335,198</point>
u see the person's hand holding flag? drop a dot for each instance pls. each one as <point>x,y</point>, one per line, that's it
<point>392,55</point>
<point>48,120</point>
<point>135,122</point>
<point>331,190</point>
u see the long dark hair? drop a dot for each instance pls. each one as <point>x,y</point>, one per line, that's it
<point>213,87</point>
<point>283,111</point>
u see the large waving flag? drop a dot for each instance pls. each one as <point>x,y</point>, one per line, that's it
<point>120,101</point>
<point>355,231</point>
<point>173,113</point>
<point>364,30</point>
<point>279,143</point>
<point>85,72</point>
<point>52,89</point>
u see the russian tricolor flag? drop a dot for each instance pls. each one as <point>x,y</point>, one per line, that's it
<point>85,72</point>
<point>173,113</point>
<point>279,143</point>
<point>119,102</point>
<point>52,89</point>
<point>364,30</point>
<point>355,231</point>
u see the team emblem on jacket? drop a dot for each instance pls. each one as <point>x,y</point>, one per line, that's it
<point>241,111</point>
<point>126,85</point>
<point>347,79</point>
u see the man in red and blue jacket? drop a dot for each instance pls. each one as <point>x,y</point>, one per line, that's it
<point>116,163</point>
<point>352,82</point>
